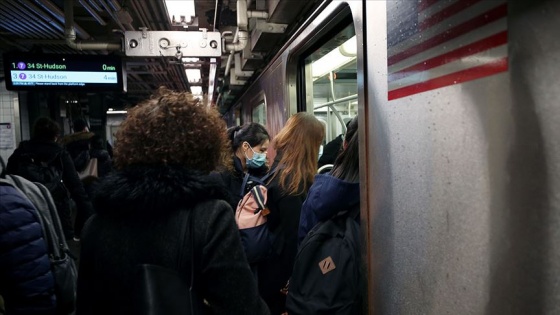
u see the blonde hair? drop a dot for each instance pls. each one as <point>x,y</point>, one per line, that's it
<point>298,143</point>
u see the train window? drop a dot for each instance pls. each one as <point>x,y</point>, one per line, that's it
<point>259,113</point>
<point>330,78</point>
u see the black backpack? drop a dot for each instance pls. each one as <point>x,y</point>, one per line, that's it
<point>327,276</point>
<point>63,266</point>
<point>49,173</point>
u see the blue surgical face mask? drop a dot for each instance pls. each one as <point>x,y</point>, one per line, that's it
<point>257,161</point>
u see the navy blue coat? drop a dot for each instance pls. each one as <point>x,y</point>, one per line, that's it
<point>327,196</point>
<point>26,281</point>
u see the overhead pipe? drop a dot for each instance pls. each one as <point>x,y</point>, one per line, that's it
<point>112,15</point>
<point>117,7</point>
<point>92,12</point>
<point>53,26</point>
<point>21,18</point>
<point>22,28</point>
<point>241,35</point>
<point>70,34</point>
<point>55,11</point>
<point>238,72</point>
<point>140,14</point>
<point>257,14</point>
<point>215,15</point>
<point>95,5</point>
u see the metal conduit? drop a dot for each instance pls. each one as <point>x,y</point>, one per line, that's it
<point>13,19</point>
<point>33,16</point>
<point>215,15</point>
<point>61,16</point>
<point>95,5</point>
<point>117,7</point>
<point>92,12</point>
<point>46,17</point>
<point>112,15</point>
<point>25,29</point>
<point>139,13</point>
<point>70,34</point>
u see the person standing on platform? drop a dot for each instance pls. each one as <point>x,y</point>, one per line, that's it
<point>42,160</point>
<point>250,145</point>
<point>295,165</point>
<point>161,208</point>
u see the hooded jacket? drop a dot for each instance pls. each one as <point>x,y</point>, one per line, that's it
<point>141,210</point>
<point>327,196</point>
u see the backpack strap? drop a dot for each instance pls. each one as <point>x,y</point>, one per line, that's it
<point>261,181</point>
<point>259,198</point>
<point>189,222</point>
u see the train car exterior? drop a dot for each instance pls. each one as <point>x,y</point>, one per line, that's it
<point>460,156</point>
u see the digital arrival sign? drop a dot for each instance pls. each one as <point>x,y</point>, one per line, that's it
<point>63,72</point>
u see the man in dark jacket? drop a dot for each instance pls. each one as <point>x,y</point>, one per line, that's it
<point>26,281</point>
<point>78,144</point>
<point>43,149</point>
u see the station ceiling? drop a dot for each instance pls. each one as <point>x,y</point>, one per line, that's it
<point>38,26</point>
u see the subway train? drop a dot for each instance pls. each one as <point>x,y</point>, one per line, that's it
<point>460,161</point>
<point>457,103</point>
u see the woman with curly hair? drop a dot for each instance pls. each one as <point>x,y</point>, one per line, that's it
<point>159,205</point>
<point>249,144</point>
<point>295,165</point>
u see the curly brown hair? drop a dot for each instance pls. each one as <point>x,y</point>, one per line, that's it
<point>173,128</point>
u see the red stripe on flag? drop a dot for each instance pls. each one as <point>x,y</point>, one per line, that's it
<point>471,49</point>
<point>481,20</point>
<point>497,66</point>
<point>446,13</point>
<point>426,4</point>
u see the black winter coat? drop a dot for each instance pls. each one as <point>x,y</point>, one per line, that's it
<point>77,143</point>
<point>139,221</point>
<point>47,151</point>
<point>283,222</point>
<point>233,180</point>
<point>26,281</point>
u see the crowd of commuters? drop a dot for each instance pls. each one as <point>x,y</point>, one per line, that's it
<point>174,163</point>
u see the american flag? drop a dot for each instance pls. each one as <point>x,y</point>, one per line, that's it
<point>436,43</point>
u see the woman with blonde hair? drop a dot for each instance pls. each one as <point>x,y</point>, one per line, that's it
<point>161,208</point>
<point>295,165</point>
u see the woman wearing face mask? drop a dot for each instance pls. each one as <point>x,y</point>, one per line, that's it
<point>249,145</point>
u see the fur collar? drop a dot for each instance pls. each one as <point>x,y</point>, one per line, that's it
<point>155,188</point>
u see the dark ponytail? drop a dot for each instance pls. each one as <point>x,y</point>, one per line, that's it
<point>253,133</point>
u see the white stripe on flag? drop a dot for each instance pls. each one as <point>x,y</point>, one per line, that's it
<point>452,67</point>
<point>442,27</point>
<point>435,8</point>
<point>463,40</point>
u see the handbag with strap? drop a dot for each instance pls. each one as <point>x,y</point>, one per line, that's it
<point>161,290</point>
